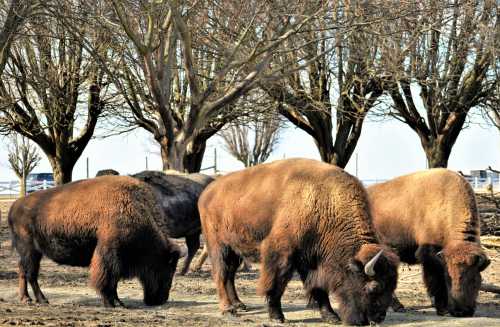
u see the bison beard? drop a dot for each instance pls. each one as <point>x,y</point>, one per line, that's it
<point>431,217</point>
<point>305,216</point>
<point>106,223</point>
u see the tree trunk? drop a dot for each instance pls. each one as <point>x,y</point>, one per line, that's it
<point>339,153</point>
<point>181,157</point>
<point>172,155</point>
<point>22,186</point>
<point>437,153</point>
<point>62,169</point>
<point>193,158</point>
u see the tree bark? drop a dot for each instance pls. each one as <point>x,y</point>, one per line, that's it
<point>181,157</point>
<point>62,169</point>
<point>437,154</point>
<point>22,186</point>
<point>194,158</point>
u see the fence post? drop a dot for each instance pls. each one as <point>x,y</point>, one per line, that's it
<point>44,184</point>
<point>475,182</point>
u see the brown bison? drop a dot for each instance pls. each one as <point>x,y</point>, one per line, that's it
<point>178,194</point>
<point>431,217</point>
<point>298,215</point>
<point>105,172</point>
<point>107,223</point>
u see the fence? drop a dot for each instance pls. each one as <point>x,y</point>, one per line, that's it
<point>14,187</point>
<point>478,184</point>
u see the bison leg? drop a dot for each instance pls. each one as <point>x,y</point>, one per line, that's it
<point>29,266</point>
<point>23,286</point>
<point>225,262</point>
<point>435,282</point>
<point>396,305</point>
<point>193,244</point>
<point>233,261</point>
<point>245,266</point>
<point>102,276</point>
<point>276,272</point>
<point>320,297</point>
<point>201,259</point>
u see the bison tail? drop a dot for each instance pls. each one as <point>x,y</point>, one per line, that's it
<point>13,238</point>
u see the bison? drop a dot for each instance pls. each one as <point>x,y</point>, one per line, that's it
<point>178,194</point>
<point>431,217</point>
<point>298,215</point>
<point>107,223</point>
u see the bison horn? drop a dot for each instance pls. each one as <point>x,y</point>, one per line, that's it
<point>440,254</point>
<point>370,265</point>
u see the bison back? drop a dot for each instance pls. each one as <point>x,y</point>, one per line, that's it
<point>293,201</point>
<point>66,222</point>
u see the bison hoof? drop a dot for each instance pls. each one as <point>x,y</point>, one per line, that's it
<point>441,312</point>
<point>277,317</point>
<point>330,317</point>
<point>26,300</point>
<point>42,301</point>
<point>230,311</point>
<point>240,306</point>
<point>398,308</point>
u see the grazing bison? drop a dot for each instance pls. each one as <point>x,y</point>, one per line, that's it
<point>305,216</point>
<point>107,223</point>
<point>178,195</point>
<point>105,172</point>
<point>431,217</point>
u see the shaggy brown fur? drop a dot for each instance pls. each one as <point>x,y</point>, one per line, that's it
<point>106,222</point>
<point>105,172</point>
<point>298,215</point>
<point>178,194</point>
<point>423,213</point>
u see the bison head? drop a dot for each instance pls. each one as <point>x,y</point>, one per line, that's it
<point>365,294</point>
<point>464,263</point>
<point>157,280</point>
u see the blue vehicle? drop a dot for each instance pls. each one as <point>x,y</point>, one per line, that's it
<point>39,181</point>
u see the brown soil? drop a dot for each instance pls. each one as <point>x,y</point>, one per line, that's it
<point>193,300</point>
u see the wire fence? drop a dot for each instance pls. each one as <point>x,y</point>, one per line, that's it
<point>478,184</point>
<point>13,188</point>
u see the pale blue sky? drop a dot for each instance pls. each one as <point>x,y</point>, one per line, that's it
<point>384,150</point>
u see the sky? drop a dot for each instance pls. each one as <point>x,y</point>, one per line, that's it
<point>385,150</point>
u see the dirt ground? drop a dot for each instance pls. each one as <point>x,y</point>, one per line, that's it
<point>193,300</point>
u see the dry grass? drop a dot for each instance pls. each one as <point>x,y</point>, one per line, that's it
<point>193,300</point>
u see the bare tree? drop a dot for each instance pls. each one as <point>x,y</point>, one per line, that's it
<point>441,67</point>
<point>343,66</point>
<point>185,63</point>
<point>13,18</point>
<point>23,158</point>
<point>52,91</point>
<point>264,134</point>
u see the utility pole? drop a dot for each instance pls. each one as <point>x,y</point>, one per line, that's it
<point>23,187</point>
<point>88,167</point>
<point>147,163</point>
<point>215,160</point>
<point>356,164</point>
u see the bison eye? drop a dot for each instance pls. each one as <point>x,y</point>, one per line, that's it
<point>355,266</point>
<point>372,287</point>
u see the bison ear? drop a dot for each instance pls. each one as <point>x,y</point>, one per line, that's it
<point>482,262</point>
<point>355,266</point>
